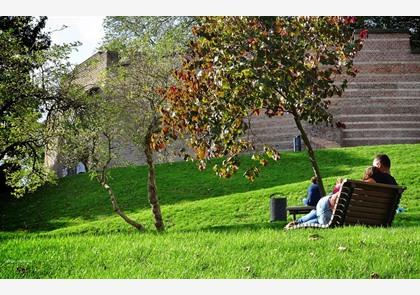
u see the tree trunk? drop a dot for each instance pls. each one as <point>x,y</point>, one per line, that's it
<point>151,184</point>
<point>115,206</point>
<point>311,153</point>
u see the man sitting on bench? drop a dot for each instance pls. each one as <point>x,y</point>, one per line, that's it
<point>379,173</point>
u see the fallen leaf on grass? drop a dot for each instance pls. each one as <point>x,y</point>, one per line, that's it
<point>314,237</point>
<point>374,275</point>
<point>22,269</point>
<point>341,248</point>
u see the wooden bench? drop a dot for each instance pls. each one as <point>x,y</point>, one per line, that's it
<point>293,210</point>
<point>361,203</point>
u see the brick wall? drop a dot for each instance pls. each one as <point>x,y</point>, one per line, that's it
<point>380,106</point>
<point>382,103</point>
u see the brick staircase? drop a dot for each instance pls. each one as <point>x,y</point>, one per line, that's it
<point>382,103</point>
<point>278,132</point>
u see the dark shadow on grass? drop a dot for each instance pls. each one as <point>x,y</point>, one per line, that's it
<point>23,227</point>
<point>407,220</point>
<point>249,227</point>
<point>79,197</point>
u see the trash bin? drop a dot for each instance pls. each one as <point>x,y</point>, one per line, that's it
<point>297,144</point>
<point>278,206</point>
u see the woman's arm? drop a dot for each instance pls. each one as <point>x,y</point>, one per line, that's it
<point>370,180</point>
<point>333,199</point>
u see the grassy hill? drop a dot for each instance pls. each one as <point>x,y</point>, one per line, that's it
<point>216,228</point>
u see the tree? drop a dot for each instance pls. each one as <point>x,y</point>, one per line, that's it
<point>125,108</point>
<point>149,47</point>
<point>122,30</point>
<point>134,87</point>
<point>241,66</point>
<point>29,69</point>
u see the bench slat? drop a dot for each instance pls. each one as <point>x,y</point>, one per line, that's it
<point>369,198</point>
<point>379,211</point>
<point>364,203</point>
<point>358,214</point>
<point>381,194</point>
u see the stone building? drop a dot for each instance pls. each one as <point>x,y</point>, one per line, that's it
<point>381,104</point>
<point>89,74</point>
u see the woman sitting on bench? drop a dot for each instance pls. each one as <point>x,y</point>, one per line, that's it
<point>324,209</point>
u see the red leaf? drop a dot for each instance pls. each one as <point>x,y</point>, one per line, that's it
<point>363,34</point>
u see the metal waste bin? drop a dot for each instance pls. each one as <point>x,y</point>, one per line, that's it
<point>297,144</point>
<point>278,206</point>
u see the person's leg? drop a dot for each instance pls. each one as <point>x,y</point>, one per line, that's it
<point>323,211</point>
<point>311,217</point>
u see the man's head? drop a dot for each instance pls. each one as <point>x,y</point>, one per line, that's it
<point>382,162</point>
<point>314,180</point>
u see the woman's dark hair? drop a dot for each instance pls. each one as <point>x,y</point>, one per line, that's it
<point>384,160</point>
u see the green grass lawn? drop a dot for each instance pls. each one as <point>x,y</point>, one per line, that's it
<point>216,228</point>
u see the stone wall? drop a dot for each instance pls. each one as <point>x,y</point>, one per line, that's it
<point>87,74</point>
<point>90,75</point>
<point>91,71</point>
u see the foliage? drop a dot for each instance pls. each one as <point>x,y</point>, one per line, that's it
<point>243,66</point>
<point>135,83</point>
<point>148,48</point>
<point>170,32</point>
<point>30,70</point>
<point>409,23</point>
<point>215,228</point>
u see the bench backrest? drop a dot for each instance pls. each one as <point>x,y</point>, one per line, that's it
<point>365,203</point>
